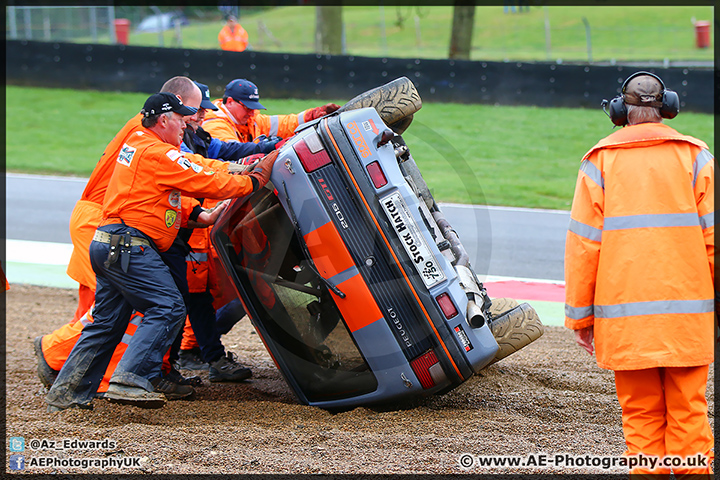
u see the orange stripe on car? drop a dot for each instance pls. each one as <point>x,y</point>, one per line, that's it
<point>331,258</point>
<point>392,252</point>
<point>328,250</point>
<point>362,310</point>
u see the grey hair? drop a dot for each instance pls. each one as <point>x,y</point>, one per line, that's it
<point>640,114</point>
<point>152,120</point>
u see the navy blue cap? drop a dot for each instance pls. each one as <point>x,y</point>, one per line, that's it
<point>206,103</point>
<point>164,102</point>
<point>246,92</point>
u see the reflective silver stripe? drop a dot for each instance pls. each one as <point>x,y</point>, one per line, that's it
<point>196,257</point>
<point>654,308</point>
<point>301,117</point>
<point>586,231</point>
<point>593,172</point>
<point>652,221</point>
<point>345,275</point>
<point>134,320</point>
<point>274,125</point>
<point>707,220</point>
<point>578,313</point>
<point>85,319</point>
<point>702,159</point>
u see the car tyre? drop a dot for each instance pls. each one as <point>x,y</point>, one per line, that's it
<point>515,329</point>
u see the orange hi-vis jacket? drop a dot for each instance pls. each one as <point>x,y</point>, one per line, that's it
<point>86,215</point>
<point>147,185</point>
<point>222,125</point>
<point>639,254</point>
<point>235,40</point>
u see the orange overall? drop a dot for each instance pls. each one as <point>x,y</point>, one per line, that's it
<point>87,213</point>
<point>639,265</point>
<point>222,125</point>
<point>235,39</point>
<point>85,219</point>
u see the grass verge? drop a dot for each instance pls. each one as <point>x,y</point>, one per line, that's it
<point>513,156</point>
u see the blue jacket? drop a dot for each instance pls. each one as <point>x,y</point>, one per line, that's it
<point>202,143</point>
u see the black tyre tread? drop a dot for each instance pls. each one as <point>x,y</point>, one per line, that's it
<point>518,328</point>
<point>393,101</point>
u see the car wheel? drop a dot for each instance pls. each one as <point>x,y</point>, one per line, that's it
<point>515,329</point>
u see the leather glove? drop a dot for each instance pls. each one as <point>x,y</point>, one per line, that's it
<point>262,170</point>
<point>318,112</point>
<point>236,168</point>
<point>268,145</point>
<point>251,160</point>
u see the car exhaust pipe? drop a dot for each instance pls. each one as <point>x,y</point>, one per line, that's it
<point>476,317</point>
<point>461,257</point>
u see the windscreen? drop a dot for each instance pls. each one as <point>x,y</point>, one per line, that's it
<point>297,315</point>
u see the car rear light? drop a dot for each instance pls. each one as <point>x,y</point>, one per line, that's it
<point>311,160</point>
<point>422,365</point>
<point>376,174</point>
<point>446,305</point>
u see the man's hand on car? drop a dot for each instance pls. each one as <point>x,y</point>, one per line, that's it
<point>318,112</point>
<point>268,144</point>
<point>208,216</point>
<point>262,170</point>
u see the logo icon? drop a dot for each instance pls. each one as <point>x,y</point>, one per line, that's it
<point>126,155</point>
<point>17,444</point>
<point>170,217</point>
<point>17,462</point>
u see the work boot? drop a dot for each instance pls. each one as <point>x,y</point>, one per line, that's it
<point>136,396</point>
<point>191,360</point>
<point>176,377</point>
<point>171,390</point>
<point>227,369</point>
<point>46,373</point>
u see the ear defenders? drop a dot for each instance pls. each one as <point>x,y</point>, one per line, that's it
<point>616,108</point>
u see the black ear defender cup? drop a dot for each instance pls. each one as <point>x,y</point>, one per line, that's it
<point>616,108</point>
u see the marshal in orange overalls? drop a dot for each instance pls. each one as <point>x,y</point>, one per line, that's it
<point>639,265</point>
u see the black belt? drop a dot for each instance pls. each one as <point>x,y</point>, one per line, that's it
<point>104,237</point>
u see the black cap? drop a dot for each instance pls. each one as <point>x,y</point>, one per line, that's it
<point>164,102</point>
<point>205,91</point>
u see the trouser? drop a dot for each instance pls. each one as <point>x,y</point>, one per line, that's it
<point>56,346</point>
<point>201,314</point>
<point>174,258</point>
<point>148,287</point>
<point>665,414</point>
<point>228,315</point>
<point>225,318</point>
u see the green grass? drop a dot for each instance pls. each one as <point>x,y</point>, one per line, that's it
<point>514,156</point>
<point>617,33</point>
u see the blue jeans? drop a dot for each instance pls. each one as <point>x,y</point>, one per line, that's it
<point>147,287</point>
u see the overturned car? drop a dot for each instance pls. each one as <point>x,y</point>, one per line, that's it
<point>351,275</point>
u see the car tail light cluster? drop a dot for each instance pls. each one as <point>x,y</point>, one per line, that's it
<point>311,158</point>
<point>422,365</point>
<point>446,305</point>
<point>376,174</point>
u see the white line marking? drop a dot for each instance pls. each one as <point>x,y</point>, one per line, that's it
<point>41,253</point>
